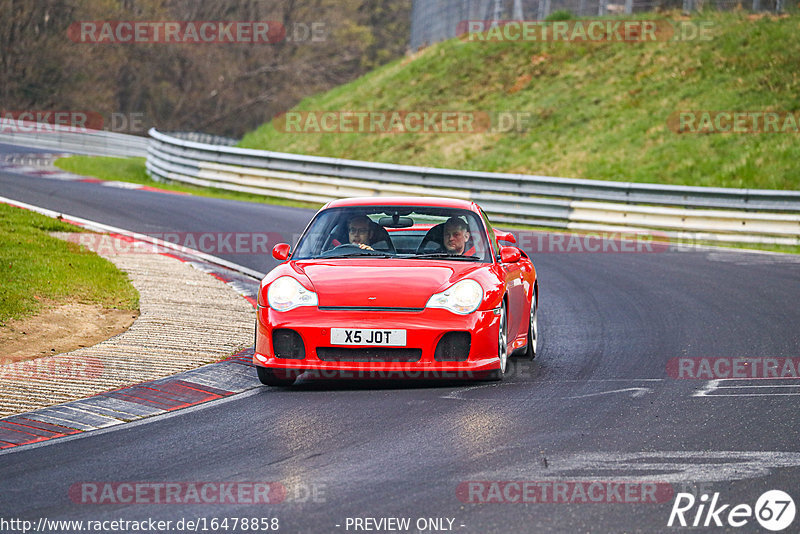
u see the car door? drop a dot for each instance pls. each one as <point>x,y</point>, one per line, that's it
<point>515,289</point>
<point>517,318</point>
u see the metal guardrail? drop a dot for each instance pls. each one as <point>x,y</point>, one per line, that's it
<point>746,215</point>
<point>206,138</point>
<point>78,141</point>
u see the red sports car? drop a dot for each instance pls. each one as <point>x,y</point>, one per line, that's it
<point>396,287</point>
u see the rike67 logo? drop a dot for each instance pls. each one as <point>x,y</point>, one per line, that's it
<point>774,510</point>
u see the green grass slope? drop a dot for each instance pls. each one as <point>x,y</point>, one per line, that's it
<point>35,266</point>
<point>599,110</point>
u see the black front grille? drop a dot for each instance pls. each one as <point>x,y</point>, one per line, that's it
<point>288,345</point>
<point>453,347</point>
<point>368,354</point>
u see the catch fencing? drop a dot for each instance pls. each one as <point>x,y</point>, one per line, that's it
<point>433,21</point>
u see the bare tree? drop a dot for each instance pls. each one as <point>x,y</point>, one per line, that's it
<point>226,89</point>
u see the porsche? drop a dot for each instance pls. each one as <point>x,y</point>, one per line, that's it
<point>396,287</point>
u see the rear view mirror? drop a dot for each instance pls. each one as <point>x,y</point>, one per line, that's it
<point>396,222</point>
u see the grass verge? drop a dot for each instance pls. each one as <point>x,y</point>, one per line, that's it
<point>35,266</point>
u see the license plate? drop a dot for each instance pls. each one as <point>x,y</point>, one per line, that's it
<point>366,336</point>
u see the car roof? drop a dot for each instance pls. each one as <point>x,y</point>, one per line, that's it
<point>404,201</point>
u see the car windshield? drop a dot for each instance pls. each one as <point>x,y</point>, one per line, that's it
<point>417,232</point>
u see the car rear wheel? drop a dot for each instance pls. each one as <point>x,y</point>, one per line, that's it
<point>533,328</point>
<point>276,377</point>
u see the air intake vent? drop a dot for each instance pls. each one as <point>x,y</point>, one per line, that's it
<point>288,344</point>
<point>453,347</point>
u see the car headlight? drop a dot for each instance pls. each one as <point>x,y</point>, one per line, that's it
<point>463,297</point>
<point>286,293</point>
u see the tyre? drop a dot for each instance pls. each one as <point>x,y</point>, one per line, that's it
<point>276,377</point>
<point>533,327</point>
<point>502,346</point>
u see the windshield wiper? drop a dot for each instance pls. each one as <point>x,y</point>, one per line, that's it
<point>445,255</point>
<point>356,254</point>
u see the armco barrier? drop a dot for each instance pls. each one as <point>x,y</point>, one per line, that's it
<point>708,213</point>
<point>734,215</point>
<point>63,139</point>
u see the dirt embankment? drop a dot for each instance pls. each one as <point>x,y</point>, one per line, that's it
<point>61,328</point>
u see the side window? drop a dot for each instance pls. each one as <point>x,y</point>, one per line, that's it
<point>492,237</point>
<point>477,238</point>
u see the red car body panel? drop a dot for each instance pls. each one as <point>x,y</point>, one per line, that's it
<point>425,329</point>
<point>391,293</point>
<point>351,282</point>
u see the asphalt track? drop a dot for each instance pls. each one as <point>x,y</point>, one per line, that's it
<point>596,405</point>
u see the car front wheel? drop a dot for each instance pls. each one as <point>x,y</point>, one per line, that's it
<point>502,346</point>
<point>276,377</point>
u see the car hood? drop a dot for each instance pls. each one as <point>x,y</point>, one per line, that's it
<point>378,283</point>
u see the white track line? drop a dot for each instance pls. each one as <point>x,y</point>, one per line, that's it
<point>94,225</point>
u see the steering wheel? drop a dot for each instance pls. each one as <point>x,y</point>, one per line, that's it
<point>345,246</point>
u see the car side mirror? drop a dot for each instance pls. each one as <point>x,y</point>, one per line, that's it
<point>504,236</point>
<point>281,251</point>
<point>510,254</point>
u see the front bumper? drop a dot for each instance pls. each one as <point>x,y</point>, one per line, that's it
<point>424,330</point>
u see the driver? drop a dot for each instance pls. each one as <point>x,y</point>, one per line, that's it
<point>456,236</point>
<point>361,232</point>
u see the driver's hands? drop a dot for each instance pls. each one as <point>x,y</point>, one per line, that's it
<point>364,246</point>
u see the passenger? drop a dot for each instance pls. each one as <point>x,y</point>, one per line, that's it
<point>456,236</point>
